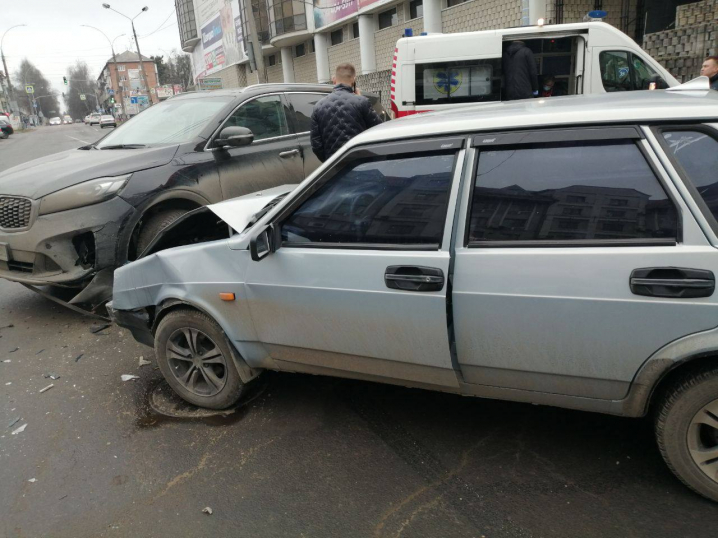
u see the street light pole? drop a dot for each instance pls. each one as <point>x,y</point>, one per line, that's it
<point>143,75</point>
<point>114,60</point>
<point>4,63</point>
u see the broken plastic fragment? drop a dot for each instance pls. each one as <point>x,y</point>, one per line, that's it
<point>20,429</point>
<point>7,360</point>
<point>33,480</point>
<point>52,376</point>
<point>98,328</point>
<point>13,422</point>
<point>207,510</point>
<point>143,362</point>
<point>127,377</point>
<point>47,388</point>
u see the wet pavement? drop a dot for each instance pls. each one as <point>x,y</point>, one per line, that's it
<point>301,455</point>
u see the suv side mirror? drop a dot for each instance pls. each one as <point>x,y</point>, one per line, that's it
<point>262,244</point>
<point>235,137</point>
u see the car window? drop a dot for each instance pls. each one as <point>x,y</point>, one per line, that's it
<point>568,192</point>
<point>264,116</point>
<point>642,74</point>
<point>697,153</point>
<point>400,201</point>
<point>615,71</point>
<point>303,105</point>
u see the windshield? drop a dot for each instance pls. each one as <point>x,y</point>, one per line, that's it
<point>171,122</point>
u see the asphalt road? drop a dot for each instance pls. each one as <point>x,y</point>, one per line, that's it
<point>307,456</point>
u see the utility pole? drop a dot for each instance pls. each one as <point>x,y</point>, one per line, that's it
<point>114,61</point>
<point>254,38</point>
<point>4,63</point>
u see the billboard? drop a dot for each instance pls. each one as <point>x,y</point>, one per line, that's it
<point>327,12</point>
<point>220,23</point>
<point>163,92</point>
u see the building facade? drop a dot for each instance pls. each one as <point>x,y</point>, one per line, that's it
<point>304,40</point>
<point>121,80</point>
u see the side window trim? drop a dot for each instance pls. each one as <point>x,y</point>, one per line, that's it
<point>291,107</point>
<point>433,145</point>
<point>580,134</point>
<point>657,131</point>
<point>569,243</point>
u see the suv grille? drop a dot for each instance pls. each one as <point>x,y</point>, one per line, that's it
<point>14,212</point>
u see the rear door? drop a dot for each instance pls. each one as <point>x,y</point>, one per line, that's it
<point>578,259</point>
<point>301,105</point>
<point>273,159</point>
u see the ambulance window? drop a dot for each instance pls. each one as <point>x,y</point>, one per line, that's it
<point>622,71</point>
<point>458,82</point>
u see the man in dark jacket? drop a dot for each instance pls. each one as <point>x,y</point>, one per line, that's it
<point>710,69</point>
<point>520,74</point>
<point>341,115</point>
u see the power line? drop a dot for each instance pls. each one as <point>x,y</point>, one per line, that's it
<point>160,26</point>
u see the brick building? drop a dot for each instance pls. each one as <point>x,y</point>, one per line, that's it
<point>122,75</point>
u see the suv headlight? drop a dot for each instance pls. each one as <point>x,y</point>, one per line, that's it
<point>87,193</point>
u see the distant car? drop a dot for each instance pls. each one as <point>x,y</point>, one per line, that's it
<point>55,121</point>
<point>78,121</point>
<point>87,119</point>
<point>95,119</point>
<point>107,121</point>
<point>67,119</point>
<point>5,127</point>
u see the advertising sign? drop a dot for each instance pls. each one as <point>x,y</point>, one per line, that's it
<point>211,33</point>
<point>221,31</point>
<point>210,84</point>
<point>177,89</point>
<point>163,92</point>
<point>330,11</point>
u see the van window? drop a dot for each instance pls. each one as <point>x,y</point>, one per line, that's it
<point>623,71</point>
<point>458,82</point>
<point>569,192</point>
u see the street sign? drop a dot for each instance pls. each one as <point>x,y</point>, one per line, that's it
<point>111,92</point>
<point>29,88</point>
<point>82,97</point>
<point>133,100</point>
<point>210,84</point>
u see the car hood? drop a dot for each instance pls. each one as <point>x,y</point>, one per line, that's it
<point>37,178</point>
<point>238,212</point>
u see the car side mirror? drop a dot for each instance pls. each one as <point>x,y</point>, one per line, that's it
<point>235,137</point>
<point>262,244</point>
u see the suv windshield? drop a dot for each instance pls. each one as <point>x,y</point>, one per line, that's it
<point>171,122</point>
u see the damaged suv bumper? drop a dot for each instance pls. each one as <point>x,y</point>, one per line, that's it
<point>65,248</point>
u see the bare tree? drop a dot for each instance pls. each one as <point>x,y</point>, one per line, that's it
<point>81,82</point>
<point>45,96</point>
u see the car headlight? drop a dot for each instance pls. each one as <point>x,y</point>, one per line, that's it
<point>87,193</point>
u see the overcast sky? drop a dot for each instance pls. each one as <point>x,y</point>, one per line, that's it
<point>53,38</point>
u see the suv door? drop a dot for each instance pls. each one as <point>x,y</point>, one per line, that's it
<point>358,286</point>
<point>576,264</point>
<point>273,159</point>
<point>302,105</point>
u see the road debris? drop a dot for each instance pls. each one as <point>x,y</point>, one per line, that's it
<point>52,376</point>
<point>207,510</point>
<point>7,360</point>
<point>7,326</point>
<point>79,357</point>
<point>143,362</point>
<point>47,388</point>
<point>39,352</point>
<point>127,377</point>
<point>33,480</point>
<point>20,429</point>
<point>13,350</point>
<point>99,328</point>
<point>13,422</point>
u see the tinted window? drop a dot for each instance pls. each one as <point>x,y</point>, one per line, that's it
<point>697,153</point>
<point>416,9</point>
<point>388,18</point>
<point>573,191</point>
<point>299,50</point>
<point>458,82</point>
<point>263,116</point>
<point>303,105</point>
<point>400,200</point>
<point>336,37</point>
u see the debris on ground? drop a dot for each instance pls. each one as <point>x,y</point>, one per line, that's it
<point>7,360</point>
<point>39,352</point>
<point>13,422</point>
<point>33,480</point>
<point>8,326</point>
<point>79,357</point>
<point>143,362</point>
<point>127,377</point>
<point>47,388</point>
<point>20,429</point>
<point>13,350</point>
<point>52,376</point>
<point>99,328</point>
<point>207,510</point>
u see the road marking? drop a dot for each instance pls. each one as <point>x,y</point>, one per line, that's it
<point>83,141</point>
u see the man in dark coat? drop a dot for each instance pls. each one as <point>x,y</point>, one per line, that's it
<point>710,69</point>
<point>520,74</point>
<point>341,115</point>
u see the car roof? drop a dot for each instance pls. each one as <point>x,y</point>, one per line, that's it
<point>254,89</point>
<point>633,107</point>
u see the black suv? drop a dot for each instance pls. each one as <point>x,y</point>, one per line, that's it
<point>66,217</point>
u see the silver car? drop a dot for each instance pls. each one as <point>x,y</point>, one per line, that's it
<point>558,251</point>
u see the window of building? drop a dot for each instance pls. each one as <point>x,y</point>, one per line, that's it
<point>416,9</point>
<point>312,48</point>
<point>556,177</point>
<point>355,30</point>
<point>697,154</point>
<point>272,60</point>
<point>388,18</point>
<point>472,81</point>
<point>336,37</point>
<point>120,67</point>
<point>615,213</point>
<point>299,50</point>
<point>371,202</point>
<point>623,71</point>
<point>303,106</point>
<point>618,202</point>
<point>264,116</point>
<point>452,3</point>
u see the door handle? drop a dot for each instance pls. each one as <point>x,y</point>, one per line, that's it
<point>674,282</point>
<point>289,154</point>
<point>414,278</point>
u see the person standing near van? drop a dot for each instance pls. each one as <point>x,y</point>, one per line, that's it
<point>710,69</point>
<point>341,115</point>
<point>520,73</point>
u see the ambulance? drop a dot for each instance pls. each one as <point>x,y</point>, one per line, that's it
<point>437,71</point>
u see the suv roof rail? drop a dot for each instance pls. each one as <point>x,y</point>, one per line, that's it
<point>696,84</point>
<point>287,84</point>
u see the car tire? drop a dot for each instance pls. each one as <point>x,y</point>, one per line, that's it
<point>687,431</point>
<point>155,225</point>
<point>184,340</point>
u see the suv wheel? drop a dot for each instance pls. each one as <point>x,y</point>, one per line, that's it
<point>195,358</point>
<point>154,225</point>
<point>687,431</point>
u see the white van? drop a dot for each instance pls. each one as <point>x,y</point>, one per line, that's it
<point>436,71</point>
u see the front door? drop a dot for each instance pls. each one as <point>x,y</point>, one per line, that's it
<point>274,158</point>
<point>359,285</point>
<point>578,262</point>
